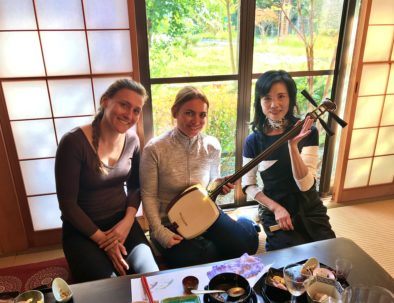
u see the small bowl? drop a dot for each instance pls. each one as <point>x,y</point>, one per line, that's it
<point>61,290</point>
<point>319,289</point>
<point>31,296</point>
<point>190,283</point>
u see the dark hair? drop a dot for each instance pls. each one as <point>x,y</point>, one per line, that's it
<point>262,88</point>
<point>186,94</point>
<point>111,91</point>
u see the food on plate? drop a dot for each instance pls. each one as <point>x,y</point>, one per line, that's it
<point>278,282</point>
<point>309,266</point>
<point>324,272</point>
<point>63,293</point>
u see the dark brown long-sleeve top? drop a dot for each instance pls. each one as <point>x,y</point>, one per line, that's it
<point>85,195</point>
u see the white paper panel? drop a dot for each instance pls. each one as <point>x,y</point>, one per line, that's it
<point>39,176</point>
<point>382,36</point>
<point>55,14</point>
<point>34,138</point>
<point>20,55</point>
<point>64,125</point>
<point>368,111</point>
<point>373,79</point>
<point>390,87</point>
<point>363,143</point>
<point>100,85</point>
<point>102,14</point>
<point>388,112</point>
<point>45,212</point>
<point>27,99</point>
<point>385,144</point>
<point>382,12</point>
<point>71,97</point>
<point>357,172</point>
<point>65,53</point>
<point>110,51</point>
<point>382,170</point>
<point>17,15</point>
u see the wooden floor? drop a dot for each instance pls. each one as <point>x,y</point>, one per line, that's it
<point>370,225</point>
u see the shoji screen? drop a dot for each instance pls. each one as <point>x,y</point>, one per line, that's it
<point>369,158</point>
<point>56,59</point>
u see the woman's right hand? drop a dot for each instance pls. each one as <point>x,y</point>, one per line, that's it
<point>282,217</point>
<point>176,239</point>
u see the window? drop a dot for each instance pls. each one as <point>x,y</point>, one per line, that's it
<point>56,59</point>
<point>221,46</point>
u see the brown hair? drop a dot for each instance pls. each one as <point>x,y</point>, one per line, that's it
<point>186,94</point>
<point>111,91</point>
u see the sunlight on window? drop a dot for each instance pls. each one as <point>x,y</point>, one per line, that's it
<point>38,176</point>
<point>65,53</point>
<point>17,15</point>
<point>357,172</point>
<point>106,14</point>
<point>385,144</point>
<point>45,212</point>
<point>374,79</point>
<point>388,113</point>
<point>27,99</point>
<point>36,138</point>
<point>20,55</point>
<point>368,111</point>
<point>382,36</point>
<point>59,14</point>
<point>380,173</point>
<point>363,143</point>
<point>71,97</point>
<point>110,51</point>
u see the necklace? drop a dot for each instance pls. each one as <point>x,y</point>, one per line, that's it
<point>276,124</point>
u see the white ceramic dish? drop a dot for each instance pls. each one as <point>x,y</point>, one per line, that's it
<point>61,291</point>
<point>30,296</point>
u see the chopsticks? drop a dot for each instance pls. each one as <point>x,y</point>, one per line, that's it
<point>145,285</point>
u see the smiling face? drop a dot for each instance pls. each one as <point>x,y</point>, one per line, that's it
<point>122,110</point>
<point>275,104</point>
<point>191,117</point>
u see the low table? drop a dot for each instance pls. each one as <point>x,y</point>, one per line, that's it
<point>365,270</point>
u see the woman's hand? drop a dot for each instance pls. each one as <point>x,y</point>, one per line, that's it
<point>283,218</point>
<point>116,234</point>
<point>116,254</point>
<point>305,131</point>
<point>226,188</point>
<point>176,239</point>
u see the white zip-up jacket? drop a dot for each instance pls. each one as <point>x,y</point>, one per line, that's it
<point>171,163</point>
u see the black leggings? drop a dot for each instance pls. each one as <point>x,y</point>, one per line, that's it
<point>88,262</point>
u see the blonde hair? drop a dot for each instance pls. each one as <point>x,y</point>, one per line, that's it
<point>186,94</point>
<point>111,91</point>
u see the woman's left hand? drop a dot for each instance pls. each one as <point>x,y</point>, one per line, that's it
<point>116,234</point>
<point>305,131</point>
<point>226,188</point>
<point>116,254</point>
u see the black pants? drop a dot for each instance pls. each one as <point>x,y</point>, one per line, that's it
<point>225,239</point>
<point>88,262</point>
<point>310,221</point>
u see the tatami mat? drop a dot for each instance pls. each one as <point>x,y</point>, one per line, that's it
<point>370,226</point>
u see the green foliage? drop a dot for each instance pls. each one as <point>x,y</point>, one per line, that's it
<point>190,38</point>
